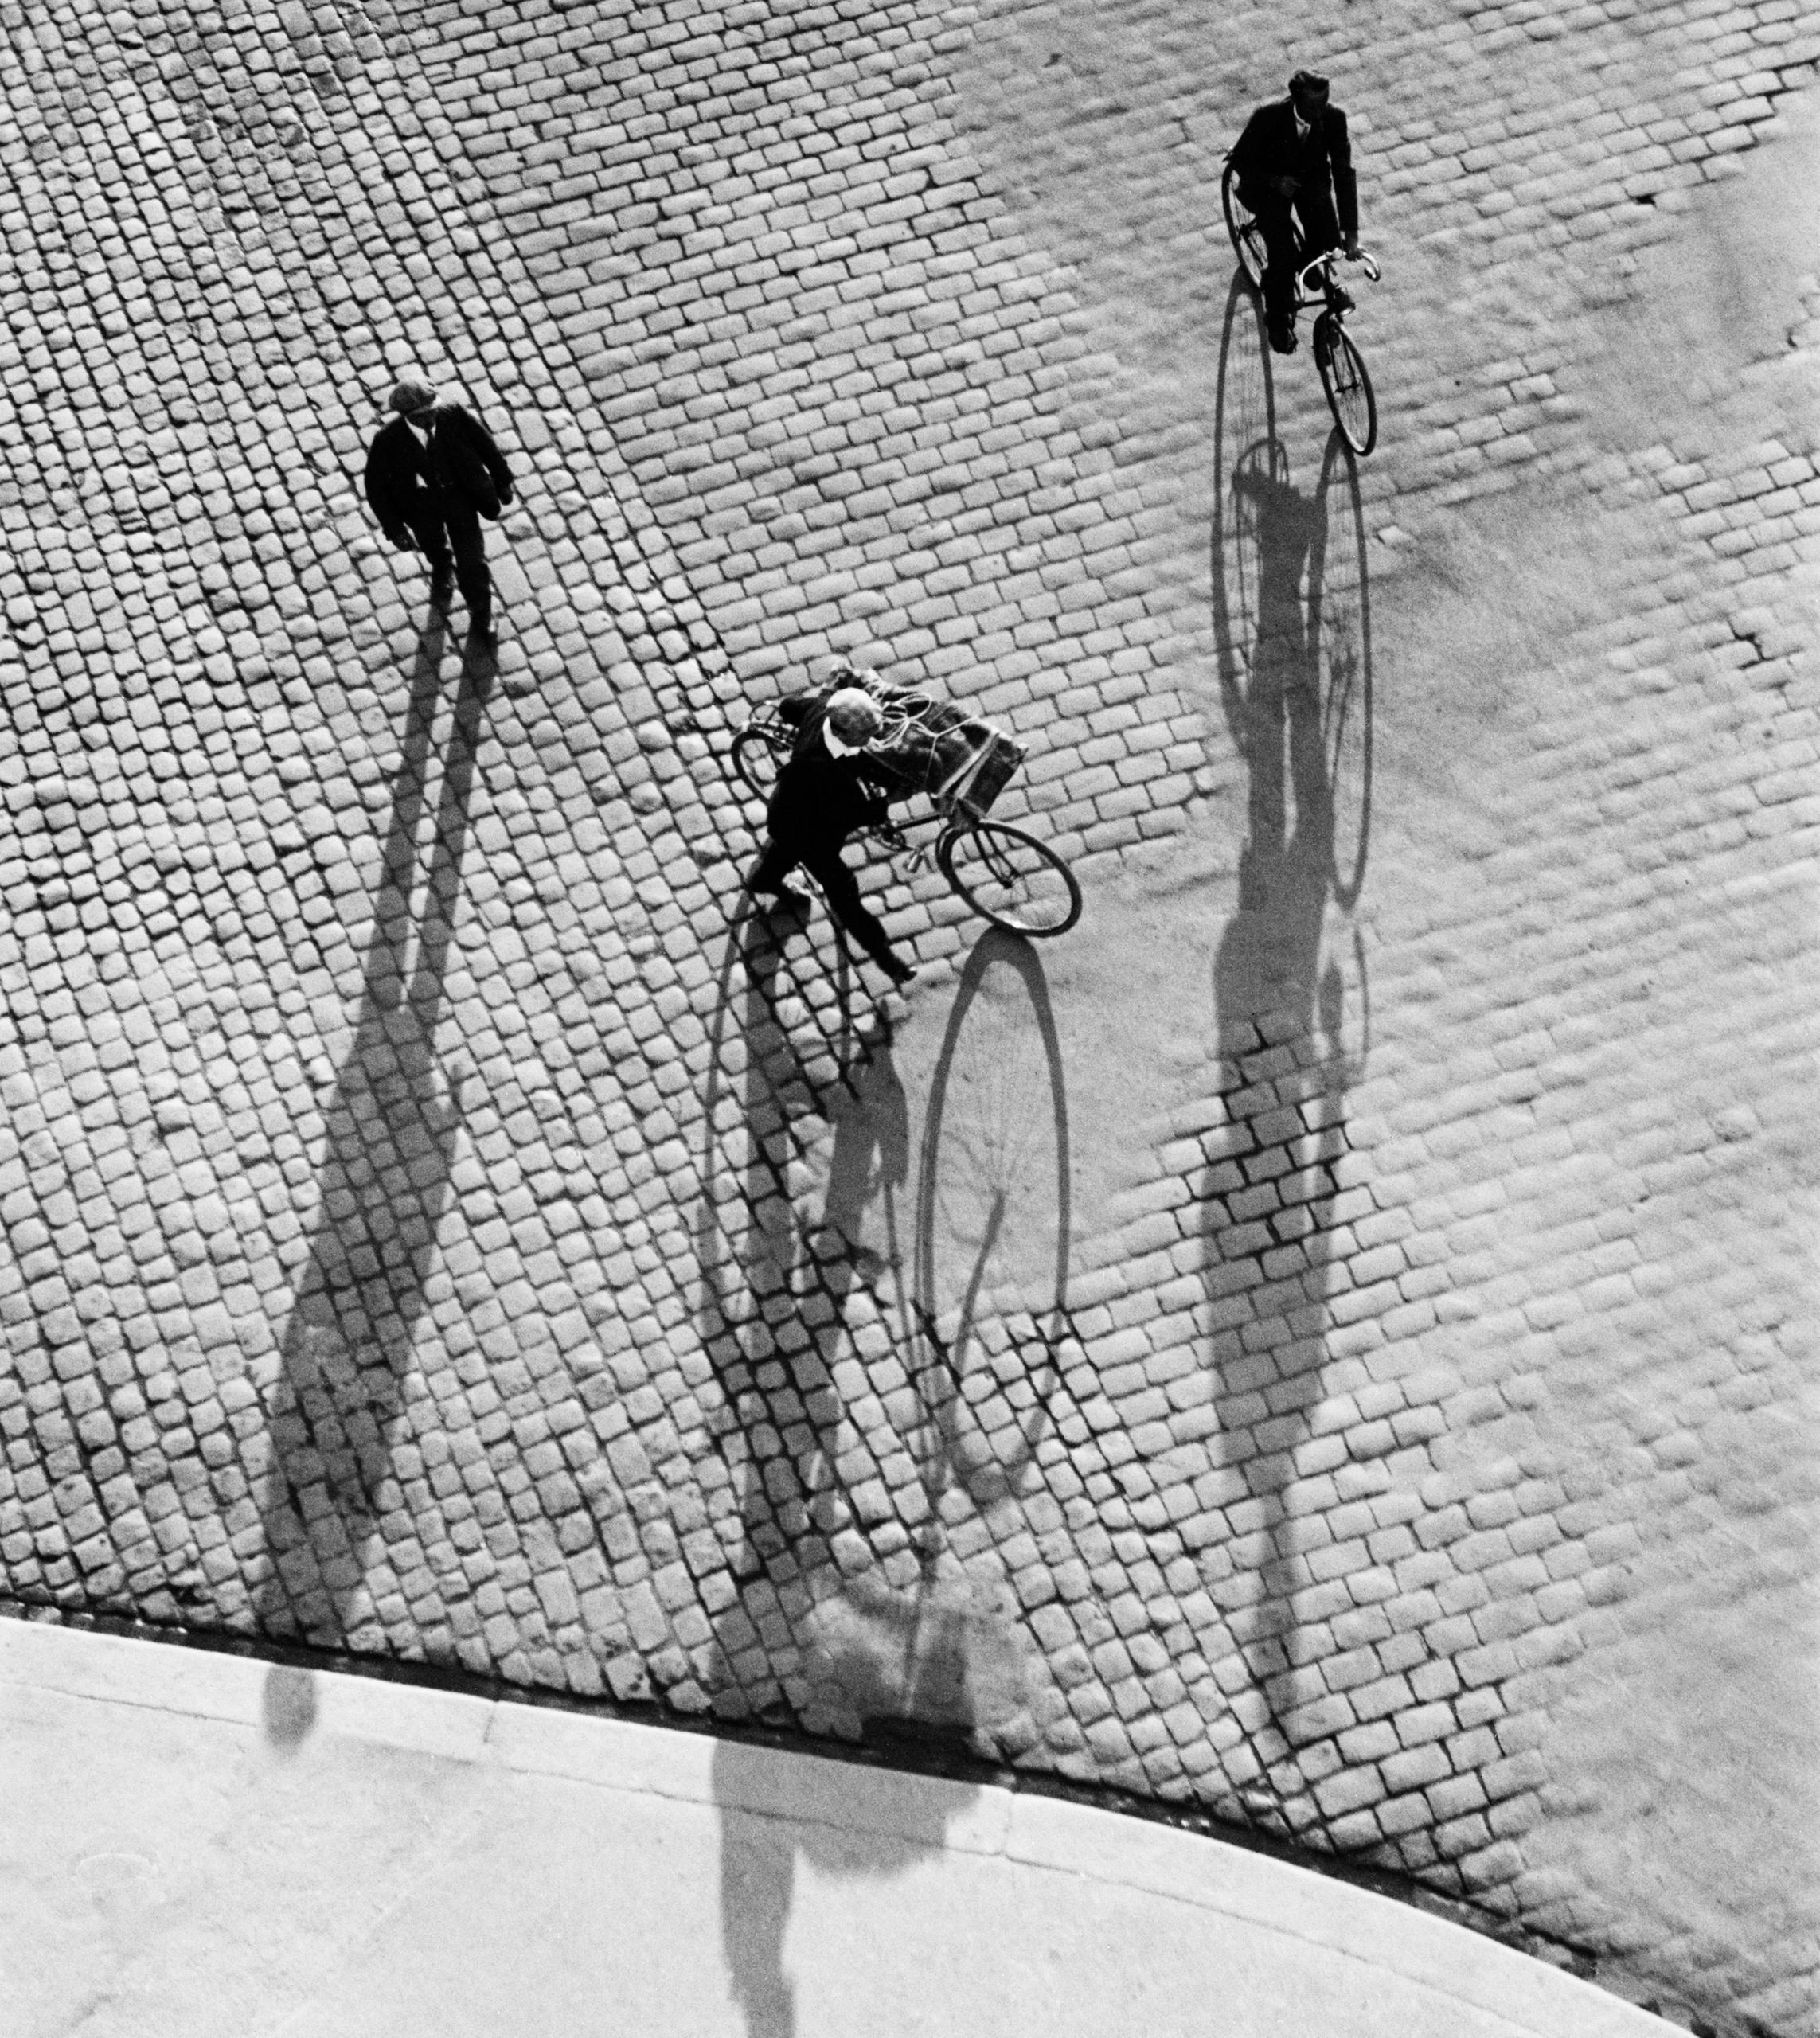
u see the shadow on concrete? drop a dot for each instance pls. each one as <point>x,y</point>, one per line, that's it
<point>391,1126</point>
<point>858,1822</point>
<point>833,1623</point>
<point>287,1706</point>
<point>869,1394</point>
<point>1292,624</point>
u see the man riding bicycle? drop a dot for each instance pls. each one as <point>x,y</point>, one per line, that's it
<point>829,789</point>
<point>1294,162</point>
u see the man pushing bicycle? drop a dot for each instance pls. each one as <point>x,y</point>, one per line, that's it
<point>831,787</point>
<point>826,758</point>
<point>1294,163</point>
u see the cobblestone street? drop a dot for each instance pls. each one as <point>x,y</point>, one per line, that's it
<point>1329,1343</point>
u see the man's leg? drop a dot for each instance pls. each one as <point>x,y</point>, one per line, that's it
<point>768,873</point>
<point>432,541</point>
<point>471,575</point>
<point>1320,225</point>
<point>1320,231</point>
<point>826,864</point>
<point>1276,223</point>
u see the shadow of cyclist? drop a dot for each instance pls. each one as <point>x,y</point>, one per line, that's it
<point>994,1229</point>
<point>762,1297</point>
<point>828,1624</point>
<point>1292,638</point>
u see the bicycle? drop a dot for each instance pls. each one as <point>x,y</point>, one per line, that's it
<point>1343,374</point>
<point>1005,876</point>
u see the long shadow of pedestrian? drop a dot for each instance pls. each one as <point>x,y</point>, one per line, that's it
<point>1292,621</point>
<point>384,1186</point>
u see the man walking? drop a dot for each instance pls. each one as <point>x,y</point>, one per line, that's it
<point>1295,157</point>
<point>432,474</point>
<point>828,788</point>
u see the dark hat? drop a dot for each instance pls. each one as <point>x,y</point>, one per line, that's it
<point>1308,84</point>
<point>409,396</point>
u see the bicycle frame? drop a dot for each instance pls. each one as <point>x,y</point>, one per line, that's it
<point>988,864</point>
<point>1314,287</point>
<point>890,837</point>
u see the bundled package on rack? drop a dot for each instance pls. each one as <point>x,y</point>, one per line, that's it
<point>960,763</point>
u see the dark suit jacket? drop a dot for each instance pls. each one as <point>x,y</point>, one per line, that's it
<point>819,796</point>
<point>1269,148</point>
<point>461,470</point>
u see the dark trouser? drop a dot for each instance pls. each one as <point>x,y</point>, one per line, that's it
<point>820,855</point>
<point>1320,231</point>
<point>453,541</point>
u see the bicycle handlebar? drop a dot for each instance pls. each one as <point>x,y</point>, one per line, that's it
<point>1326,261</point>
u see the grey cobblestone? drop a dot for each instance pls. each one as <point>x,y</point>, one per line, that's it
<point>428,1233</point>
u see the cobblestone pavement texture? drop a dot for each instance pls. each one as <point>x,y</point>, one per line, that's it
<point>1327,1343</point>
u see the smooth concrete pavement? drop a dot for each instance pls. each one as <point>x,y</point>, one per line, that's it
<point>202,1843</point>
<point>1331,1343</point>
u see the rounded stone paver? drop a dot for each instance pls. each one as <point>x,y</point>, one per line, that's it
<point>1324,1346</point>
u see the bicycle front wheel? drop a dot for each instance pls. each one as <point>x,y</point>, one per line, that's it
<point>1009,878</point>
<point>1347,386</point>
<point>759,753</point>
<point>1246,235</point>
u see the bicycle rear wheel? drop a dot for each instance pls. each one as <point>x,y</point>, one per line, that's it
<point>1009,878</point>
<point>1246,235</point>
<point>1347,386</point>
<point>758,756</point>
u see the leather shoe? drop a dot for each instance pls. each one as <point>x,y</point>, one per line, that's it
<point>784,899</point>
<point>899,973</point>
<point>442,593</point>
<point>1282,339</point>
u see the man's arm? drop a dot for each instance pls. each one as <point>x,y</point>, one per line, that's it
<point>884,780</point>
<point>1249,149</point>
<point>481,440</point>
<point>1345,184</point>
<point>381,495</point>
<point>1258,159</point>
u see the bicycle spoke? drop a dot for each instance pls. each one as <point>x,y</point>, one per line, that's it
<point>1010,878</point>
<point>1347,386</point>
